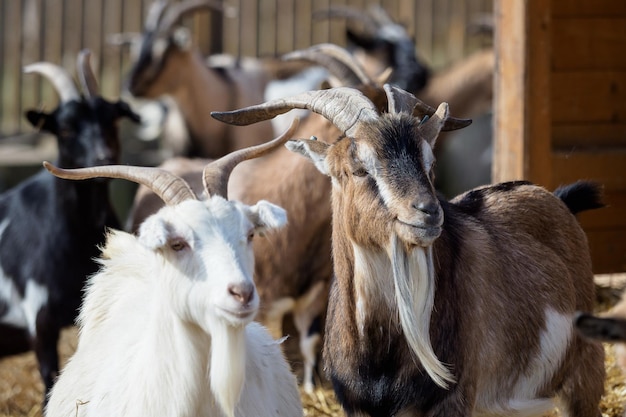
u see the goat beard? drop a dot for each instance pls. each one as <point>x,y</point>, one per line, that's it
<point>228,365</point>
<point>414,282</point>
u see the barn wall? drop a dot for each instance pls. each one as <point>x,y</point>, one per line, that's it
<point>561,107</point>
<point>55,30</point>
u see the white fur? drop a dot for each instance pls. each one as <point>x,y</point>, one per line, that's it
<point>22,311</point>
<point>160,334</point>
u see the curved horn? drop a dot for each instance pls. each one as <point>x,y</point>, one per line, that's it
<point>155,13</point>
<point>216,174</point>
<point>86,75</point>
<point>401,101</point>
<point>339,62</point>
<point>59,78</point>
<point>176,11</point>
<point>169,187</point>
<point>345,107</point>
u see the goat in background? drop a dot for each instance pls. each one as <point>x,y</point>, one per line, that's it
<point>50,229</point>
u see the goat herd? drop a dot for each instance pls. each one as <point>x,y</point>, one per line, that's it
<point>428,306</point>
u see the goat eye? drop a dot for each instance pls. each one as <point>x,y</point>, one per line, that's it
<point>250,236</point>
<point>360,172</point>
<point>178,245</point>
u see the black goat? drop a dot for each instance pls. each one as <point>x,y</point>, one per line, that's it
<point>50,228</point>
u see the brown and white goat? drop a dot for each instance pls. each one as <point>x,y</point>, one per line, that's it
<point>441,307</point>
<point>166,63</point>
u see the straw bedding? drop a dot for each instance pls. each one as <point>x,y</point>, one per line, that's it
<point>21,388</point>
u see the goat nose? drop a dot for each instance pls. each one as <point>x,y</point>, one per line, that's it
<point>428,207</point>
<point>243,292</point>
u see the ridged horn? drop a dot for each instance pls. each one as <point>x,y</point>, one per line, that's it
<point>339,62</point>
<point>86,76</point>
<point>400,100</point>
<point>177,11</point>
<point>216,174</point>
<point>60,79</point>
<point>155,13</point>
<point>345,107</point>
<point>169,187</point>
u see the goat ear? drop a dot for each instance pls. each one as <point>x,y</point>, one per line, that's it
<point>313,149</point>
<point>181,37</point>
<point>153,233</point>
<point>124,110</point>
<point>267,216</point>
<point>42,121</point>
<point>430,129</point>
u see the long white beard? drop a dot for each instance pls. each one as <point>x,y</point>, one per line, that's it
<point>413,276</point>
<point>228,365</point>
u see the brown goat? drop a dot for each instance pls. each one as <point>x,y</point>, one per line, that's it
<point>445,308</point>
<point>165,63</point>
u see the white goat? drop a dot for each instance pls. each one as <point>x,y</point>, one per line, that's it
<point>165,328</point>
<point>438,307</point>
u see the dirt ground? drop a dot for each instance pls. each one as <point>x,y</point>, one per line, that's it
<point>21,390</point>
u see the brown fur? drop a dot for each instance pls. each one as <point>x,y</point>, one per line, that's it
<point>198,90</point>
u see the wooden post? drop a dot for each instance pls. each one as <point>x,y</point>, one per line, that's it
<point>522,113</point>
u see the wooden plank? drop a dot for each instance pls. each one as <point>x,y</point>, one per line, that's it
<point>286,26</point>
<point>586,8</point>
<point>605,167</point>
<point>72,34</point>
<point>31,36</point>
<point>267,28</point>
<point>589,97</point>
<point>12,71</point>
<point>599,44</point>
<point>522,112</point>
<point>112,71</point>
<point>568,137</point>
<point>608,249</point>
<point>52,45</point>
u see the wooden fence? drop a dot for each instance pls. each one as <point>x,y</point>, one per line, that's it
<point>55,30</point>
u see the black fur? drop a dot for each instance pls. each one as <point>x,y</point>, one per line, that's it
<point>580,196</point>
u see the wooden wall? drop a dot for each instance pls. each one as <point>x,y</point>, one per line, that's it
<point>55,30</point>
<point>560,106</point>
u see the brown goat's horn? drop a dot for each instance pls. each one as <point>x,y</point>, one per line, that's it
<point>86,75</point>
<point>171,188</point>
<point>403,101</point>
<point>177,11</point>
<point>59,78</point>
<point>339,62</point>
<point>216,174</point>
<point>345,107</point>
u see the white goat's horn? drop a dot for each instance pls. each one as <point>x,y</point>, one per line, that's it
<point>345,107</point>
<point>176,12</point>
<point>169,187</point>
<point>336,59</point>
<point>60,79</point>
<point>216,174</point>
<point>85,74</point>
